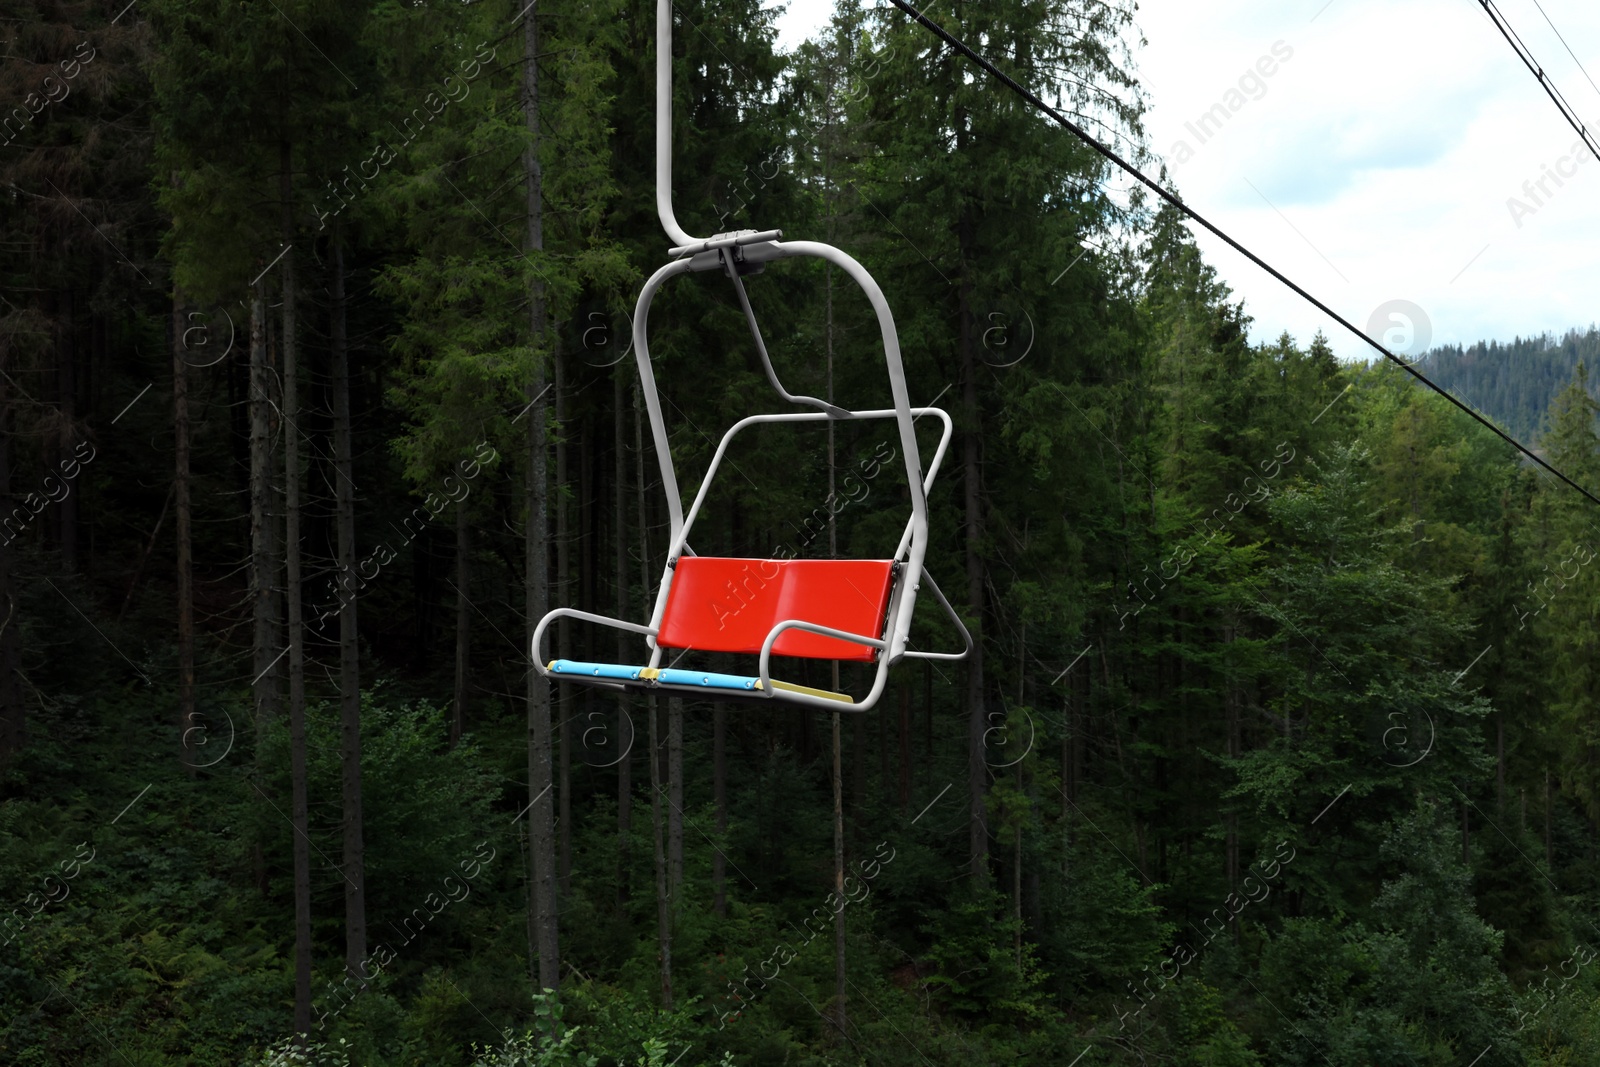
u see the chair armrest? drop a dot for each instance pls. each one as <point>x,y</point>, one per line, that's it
<point>536,645</point>
<point>809,627</point>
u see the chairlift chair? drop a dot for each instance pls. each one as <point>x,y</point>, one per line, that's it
<point>829,609</point>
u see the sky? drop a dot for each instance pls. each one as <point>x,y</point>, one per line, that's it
<point>1377,163</point>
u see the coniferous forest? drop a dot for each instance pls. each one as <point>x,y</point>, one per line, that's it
<point>1277,744</point>
<point>1515,382</point>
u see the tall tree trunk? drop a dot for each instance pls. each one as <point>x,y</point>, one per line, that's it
<point>266,693</point>
<point>858,762</point>
<point>354,844</point>
<point>675,795</point>
<point>719,742</point>
<point>1016,884</point>
<point>1500,762</point>
<point>292,588</point>
<point>905,748</point>
<point>662,772</point>
<point>300,816</point>
<point>1549,852</point>
<point>263,517</point>
<point>67,428</point>
<point>1232,701</point>
<point>1068,742</point>
<point>458,716</point>
<point>13,715</point>
<point>541,817</point>
<point>149,547</point>
<point>1016,851</point>
<point>185,569</point>
<point>971,464</point>
<point>625,726</point>
<point>663,891</point>
<point>267,658</point>
<point>839,975</point>
<point>882,745</point>
<point>663,898</point>
<point>586,531</point>
<point>564,598</point>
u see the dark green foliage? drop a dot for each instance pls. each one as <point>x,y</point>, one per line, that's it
<point>1290,669</point>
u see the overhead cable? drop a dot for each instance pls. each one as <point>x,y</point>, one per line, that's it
<point>1088,139</point>
<point>1533,66</point>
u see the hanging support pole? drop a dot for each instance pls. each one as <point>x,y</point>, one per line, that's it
<point>669,221</point>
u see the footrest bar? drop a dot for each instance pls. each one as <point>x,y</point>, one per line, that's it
<point>650,676</point>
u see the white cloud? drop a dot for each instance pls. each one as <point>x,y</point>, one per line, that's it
<point>1391,140</point>
<point>803,20</point>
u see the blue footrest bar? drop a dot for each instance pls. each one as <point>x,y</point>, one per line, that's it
<point>596,670</point>
<point>670,676</point>
<point>673,676</point>
<point>664,675</point>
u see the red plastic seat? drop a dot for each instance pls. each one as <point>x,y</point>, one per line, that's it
<point>718,604</point>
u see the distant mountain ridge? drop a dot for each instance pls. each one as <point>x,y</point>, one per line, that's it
<point>1514,383</point>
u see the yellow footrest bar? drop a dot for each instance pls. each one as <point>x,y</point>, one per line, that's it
<point>790,687</point>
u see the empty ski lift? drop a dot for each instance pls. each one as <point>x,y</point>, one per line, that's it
<point>829,609</point>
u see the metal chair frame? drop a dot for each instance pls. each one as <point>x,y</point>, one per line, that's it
<point>736,254</point>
